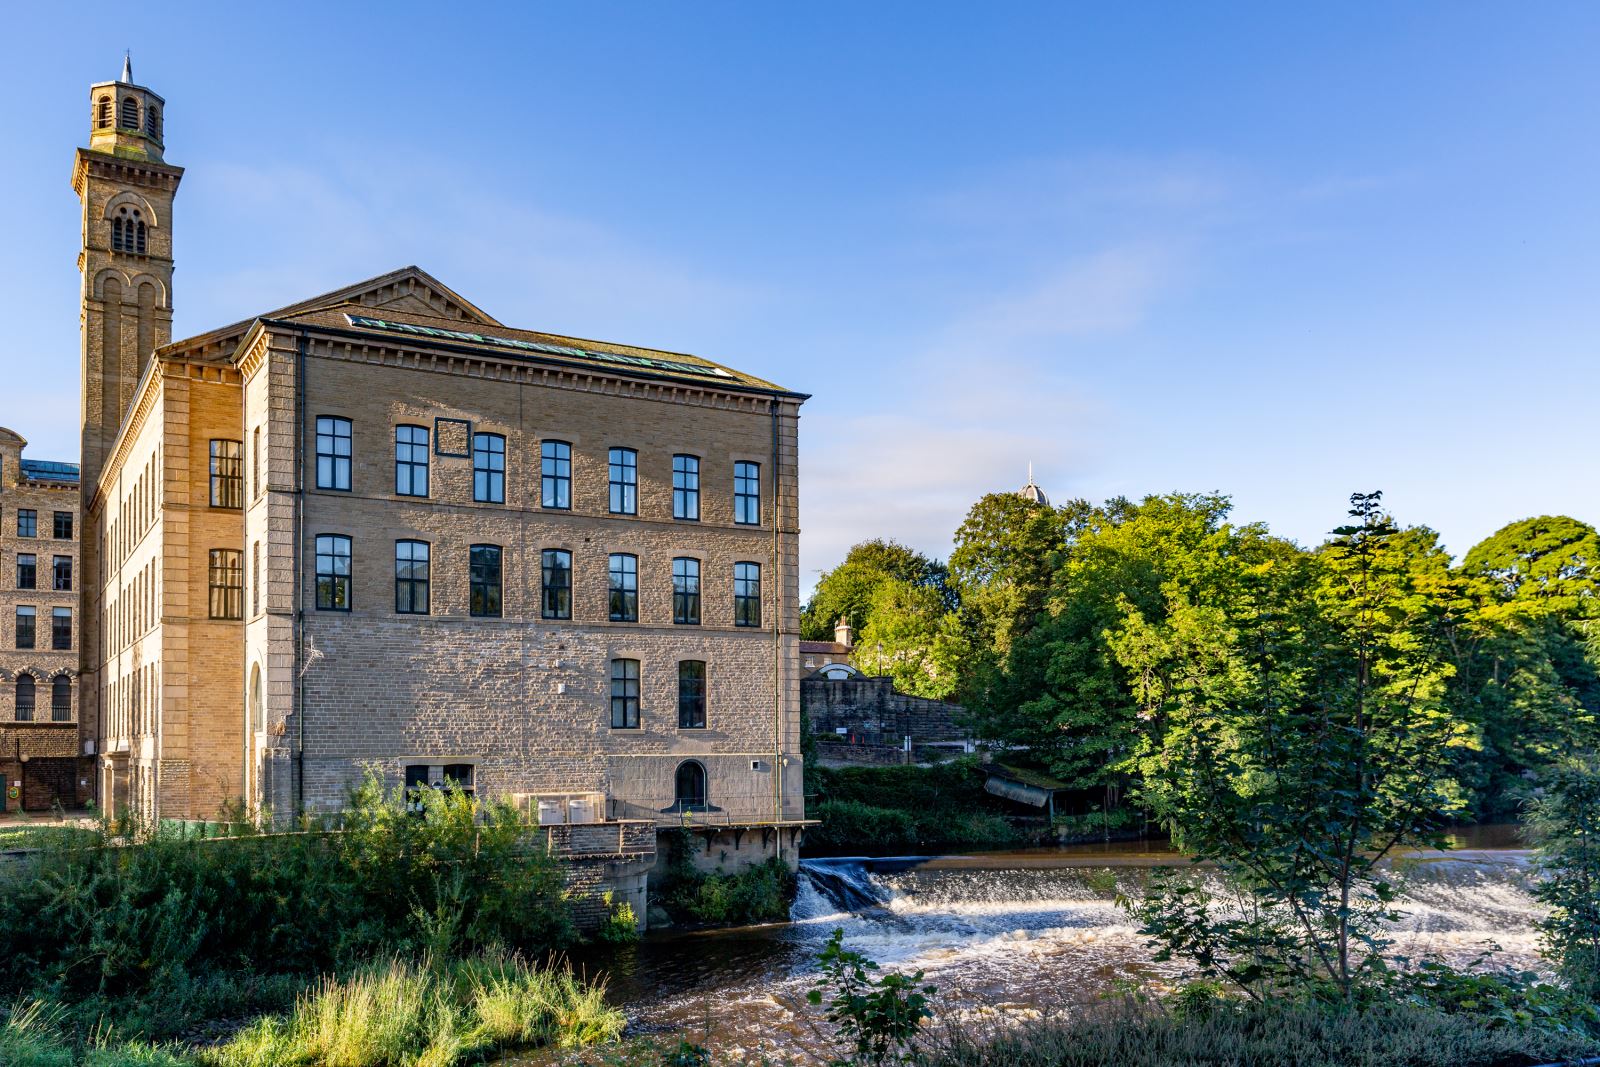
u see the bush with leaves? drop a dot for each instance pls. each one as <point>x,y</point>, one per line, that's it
<point>879,1017</point>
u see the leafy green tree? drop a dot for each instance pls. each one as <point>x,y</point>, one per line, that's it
<point>846,591</point>
<point>1552,561</point>
<point>1566,823</point>
<point>1298,731</point>
<point>912,638</point>
<point>878,1016</point>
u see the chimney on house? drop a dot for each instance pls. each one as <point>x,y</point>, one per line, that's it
<point>842,632</point>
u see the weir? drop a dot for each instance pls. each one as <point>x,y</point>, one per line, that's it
<point>1012,935</point>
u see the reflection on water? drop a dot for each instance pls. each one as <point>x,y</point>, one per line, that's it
<point>1023,931</point>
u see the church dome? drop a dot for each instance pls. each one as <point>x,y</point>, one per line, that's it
<point>1032,492</point>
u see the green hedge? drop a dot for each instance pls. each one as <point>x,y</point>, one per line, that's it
<point>905,807</point>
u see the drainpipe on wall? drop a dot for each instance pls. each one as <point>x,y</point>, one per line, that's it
<point>777,638</point>
<point>297,601</point>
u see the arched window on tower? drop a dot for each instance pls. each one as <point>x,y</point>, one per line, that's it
<point>128,232</point>
<point>130,113</point>
<point>152,121</point>
<point>102,113</point>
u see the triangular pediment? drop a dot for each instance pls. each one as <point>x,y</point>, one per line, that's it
<point>409,289</point>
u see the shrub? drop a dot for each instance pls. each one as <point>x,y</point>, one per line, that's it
<point>1566,824</point>
<point>757,894</point>
<point>906,807</point>
<point>621,925</point>
<point>158,927</point>
<point>879,1017</point>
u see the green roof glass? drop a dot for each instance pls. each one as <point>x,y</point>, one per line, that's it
<point>648,362</point>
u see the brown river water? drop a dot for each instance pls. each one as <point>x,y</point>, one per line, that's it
<point>1005,936</point>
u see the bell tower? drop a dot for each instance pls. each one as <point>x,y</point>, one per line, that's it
<point>127,190</point>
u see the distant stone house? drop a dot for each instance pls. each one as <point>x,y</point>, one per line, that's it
<point>860,718</point>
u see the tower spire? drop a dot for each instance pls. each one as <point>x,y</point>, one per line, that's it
<point>127,69</point>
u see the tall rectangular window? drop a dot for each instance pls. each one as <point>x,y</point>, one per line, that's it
<point>25,697</point>
<point>686,487</point>
<point>747,594</point>
<point>555,474</point>
<point>624,571</point>
<point>61,699</point>
<point>333,572</point>
<point>624,694</point>
<point>227,475</point>
<point>747,493</point>
<point>333,453</point>
<point>61,573</point>
<point>624,481</point>
<point>484,579</point>
<point>225,576</point>
<point>691,695</point>
<point>255,579</point>
<point>411,577</point>
<point>27,571</point>
<point>63,525</point>
<point>61,629</point>
<point>259,473</point>
<point>26,626</point>
<point>411,460</point>
<point>27,522</point>
<point>489,468</point>
<point>686,592</point>
<point>556,584</point>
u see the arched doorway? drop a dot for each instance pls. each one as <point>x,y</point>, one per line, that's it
<point>689,789</point>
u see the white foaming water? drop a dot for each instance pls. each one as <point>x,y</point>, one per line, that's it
<point>1011,940</point>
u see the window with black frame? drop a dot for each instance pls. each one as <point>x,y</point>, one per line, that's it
<point>691,695</point>
<point>334,449</point>
<point>61,574</point>
<point>686,591</point>
<point>411,461</point>
<point>61,629</point>
<point>624,587</point>
<point>27,571</point>
<point>225,581</point>
<point>555,565</point>
<point>686,487</point>
<point>27,522</point>
<point>227,474</point>
<point>624,694</point>
<point>489,468</point>
<point>411,577</point>
<point>27,626</point>
<point>689,787</point>
<point>63,525</point>
<point>484,580</point>
<point>747,493</point>
<point>747,594</point>
<point>25,698</point>
<point>333,572</point>
<point>624,465</point>
<point>555,475</point>
<point>61,699</point>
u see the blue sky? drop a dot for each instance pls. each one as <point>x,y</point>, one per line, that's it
<point>1279,251</point>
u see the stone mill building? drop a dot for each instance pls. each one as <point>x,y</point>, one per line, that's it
<point>379,528</point>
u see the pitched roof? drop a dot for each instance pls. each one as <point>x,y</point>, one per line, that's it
<point>828,647</point>
<point>409,288</point>
<point>504,341</point>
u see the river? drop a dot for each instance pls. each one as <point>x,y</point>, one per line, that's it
<point>1007,935</point>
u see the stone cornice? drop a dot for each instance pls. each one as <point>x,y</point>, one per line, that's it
<point>120,169</point>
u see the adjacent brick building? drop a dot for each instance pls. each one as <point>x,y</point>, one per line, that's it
<point>41,763</point>
<point>379,529</point>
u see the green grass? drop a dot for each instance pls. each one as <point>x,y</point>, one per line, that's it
<point>32,1036</point>
<point>1269,1036</point>
<point>400,1014</point>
